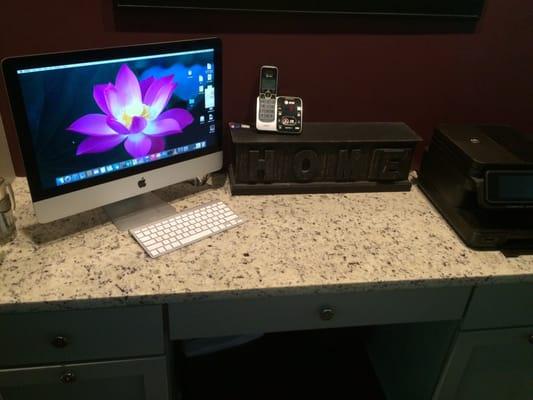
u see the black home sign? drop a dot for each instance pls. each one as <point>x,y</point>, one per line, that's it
<point>326,157</point>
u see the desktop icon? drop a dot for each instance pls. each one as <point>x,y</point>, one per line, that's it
<point>82,175</point>
<point>201,88</point>
<point>68,178</point>
<point>202,118</point>
<point>209,77</point>
<point>89,173</point>
<point>60,180</point>
<point>96,171</point>
<point>209,96</point>
<point>102,170</point>
<point>189,72</point>
<point>200,78</point>
<point>211,128</point>
<point>209,66</point>
<point>109,168</point>
<point>211,117</point>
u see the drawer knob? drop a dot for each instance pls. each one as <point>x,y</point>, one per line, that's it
<point>60,342</point>
<point>530,338</point>
<point>327,313</point>
<point>68,377</point>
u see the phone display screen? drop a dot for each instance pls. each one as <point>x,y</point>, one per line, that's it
<point>269,80</point>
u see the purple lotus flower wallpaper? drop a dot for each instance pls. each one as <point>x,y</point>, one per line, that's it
<point>94,119</point>
<point>133,115</point>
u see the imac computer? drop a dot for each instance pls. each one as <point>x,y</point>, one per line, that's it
<point>99,126</point>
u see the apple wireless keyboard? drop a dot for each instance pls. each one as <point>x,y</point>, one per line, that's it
<point>184,228</point>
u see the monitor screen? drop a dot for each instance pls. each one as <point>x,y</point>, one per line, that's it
<point>97,116</point>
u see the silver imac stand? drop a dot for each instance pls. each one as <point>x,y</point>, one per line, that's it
<point>144,209</point>
<point>137,211</point>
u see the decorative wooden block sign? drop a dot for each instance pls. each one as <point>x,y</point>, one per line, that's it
<point>325,158</point>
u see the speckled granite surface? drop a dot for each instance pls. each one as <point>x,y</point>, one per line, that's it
<point>290,244</point>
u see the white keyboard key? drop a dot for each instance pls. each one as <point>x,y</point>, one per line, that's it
<point>196,236</point>
<point>155,247</point>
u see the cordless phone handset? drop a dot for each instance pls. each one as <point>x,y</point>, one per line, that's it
<point>266,101</point>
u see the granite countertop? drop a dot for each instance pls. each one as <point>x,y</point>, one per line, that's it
<point>290,244</point>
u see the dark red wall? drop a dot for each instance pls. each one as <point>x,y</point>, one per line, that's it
<point>421,79</point>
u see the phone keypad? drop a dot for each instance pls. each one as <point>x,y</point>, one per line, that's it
<point>267,109</point>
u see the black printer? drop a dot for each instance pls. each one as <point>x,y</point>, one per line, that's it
<point>481,180</point>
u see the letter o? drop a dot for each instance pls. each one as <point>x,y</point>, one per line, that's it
<point>305,165</point>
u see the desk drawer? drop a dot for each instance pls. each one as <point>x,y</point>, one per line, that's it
<point>284,313</point>
<point>500,306</point>
<point>132,379</point>
<point>57,337</point>
<point>493,364</point>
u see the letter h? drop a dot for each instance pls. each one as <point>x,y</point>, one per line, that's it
<point>260,169</point>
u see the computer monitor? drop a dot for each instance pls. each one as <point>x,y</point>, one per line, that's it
<point>99,126</point>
